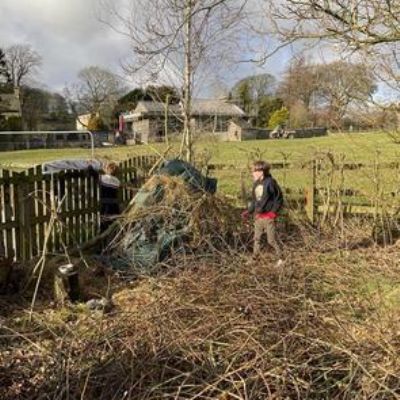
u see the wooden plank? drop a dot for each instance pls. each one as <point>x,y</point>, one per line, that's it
<point>136,172</point>
<point>8,202</point>
<point>128,175</point>
<point>351,210</point>
<point>22,229</point>
<point>79,208</point>
<point>310,193</point>
<point>58,229</point>
<point>29,208</point>
<point>124,182</point>
<point>44,211</point>
<point>9,225</point>
<point>135,162</point>
<point>12,234</point>
<point>93,206</point>
<point>3,239</point>
<point>90,204</point>
<point>49,206</point>
<point>62,231</point>
<point>72,213</point>
<point>96,206</point>
<point>86,207</point>
<point>38,228</point>
<point>7,219</point>
<point>70,208</point>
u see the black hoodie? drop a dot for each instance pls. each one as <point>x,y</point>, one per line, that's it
<point>266,196</point>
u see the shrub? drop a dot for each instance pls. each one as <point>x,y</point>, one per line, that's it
<point>96,123</point>
<point>279,117</point>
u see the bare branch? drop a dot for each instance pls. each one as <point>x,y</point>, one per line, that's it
<point>22,62</point>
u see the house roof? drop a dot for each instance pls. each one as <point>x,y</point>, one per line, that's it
<point>216,107</point>
<point>200,107</point>
<point>155,107</point>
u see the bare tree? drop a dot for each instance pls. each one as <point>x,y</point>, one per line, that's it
<point>359,23</point>
<point>22,62</point>
<point>329,88</point>
<point>179,40</point>
<point>369,27</point>
<point>298,83</point>
<point>341,84</point>
<point>4,74</point>
<point>96,91</point>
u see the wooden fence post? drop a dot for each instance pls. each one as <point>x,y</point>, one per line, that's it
<point>7,208</point>
<point>311,206</point>
<point>24,216</point>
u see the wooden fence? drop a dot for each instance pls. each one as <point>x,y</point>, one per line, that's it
<point>30,198</point>
<point>320,198</point>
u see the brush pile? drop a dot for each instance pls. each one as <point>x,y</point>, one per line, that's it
<point>174,215</point>
<point>326,326</point>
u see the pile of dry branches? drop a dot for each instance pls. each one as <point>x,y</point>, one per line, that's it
<point>223,328</point>
<point>170,216</point>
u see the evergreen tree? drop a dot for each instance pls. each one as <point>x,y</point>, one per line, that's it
<point>279,117</point>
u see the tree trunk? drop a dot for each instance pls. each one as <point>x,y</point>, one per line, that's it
<point>187,84</point>
<point>166,118</point>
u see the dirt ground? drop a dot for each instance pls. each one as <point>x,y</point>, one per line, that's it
<point>324,325</point>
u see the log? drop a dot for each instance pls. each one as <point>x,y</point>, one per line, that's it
<point>66,284</point>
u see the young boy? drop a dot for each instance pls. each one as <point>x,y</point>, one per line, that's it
<point>267,200</point>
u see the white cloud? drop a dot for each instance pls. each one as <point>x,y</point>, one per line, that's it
<point>66,33</point>
<point>69,37</point>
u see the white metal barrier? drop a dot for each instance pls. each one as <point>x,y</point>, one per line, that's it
<point>52,133</point>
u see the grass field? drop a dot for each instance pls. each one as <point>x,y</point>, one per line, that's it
<point>356,147</point>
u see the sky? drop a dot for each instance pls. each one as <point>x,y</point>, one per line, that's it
<point>66,33</point>
<point>69,36</point>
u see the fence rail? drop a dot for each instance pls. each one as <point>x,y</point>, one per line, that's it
<point>320,196</point>
<point>29,199</point>
<point>303,164</point>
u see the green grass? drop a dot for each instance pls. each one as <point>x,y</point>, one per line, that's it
<point>28,158</point>
<point>356,147</point>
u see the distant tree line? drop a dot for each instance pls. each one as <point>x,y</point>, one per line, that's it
<point>335,94</point>
<point>308,94</point>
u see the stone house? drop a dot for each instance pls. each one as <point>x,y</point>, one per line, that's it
<point>214,115</point>
<point>82,121</point>
<point>240,130</point>
<point>150,119</point>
